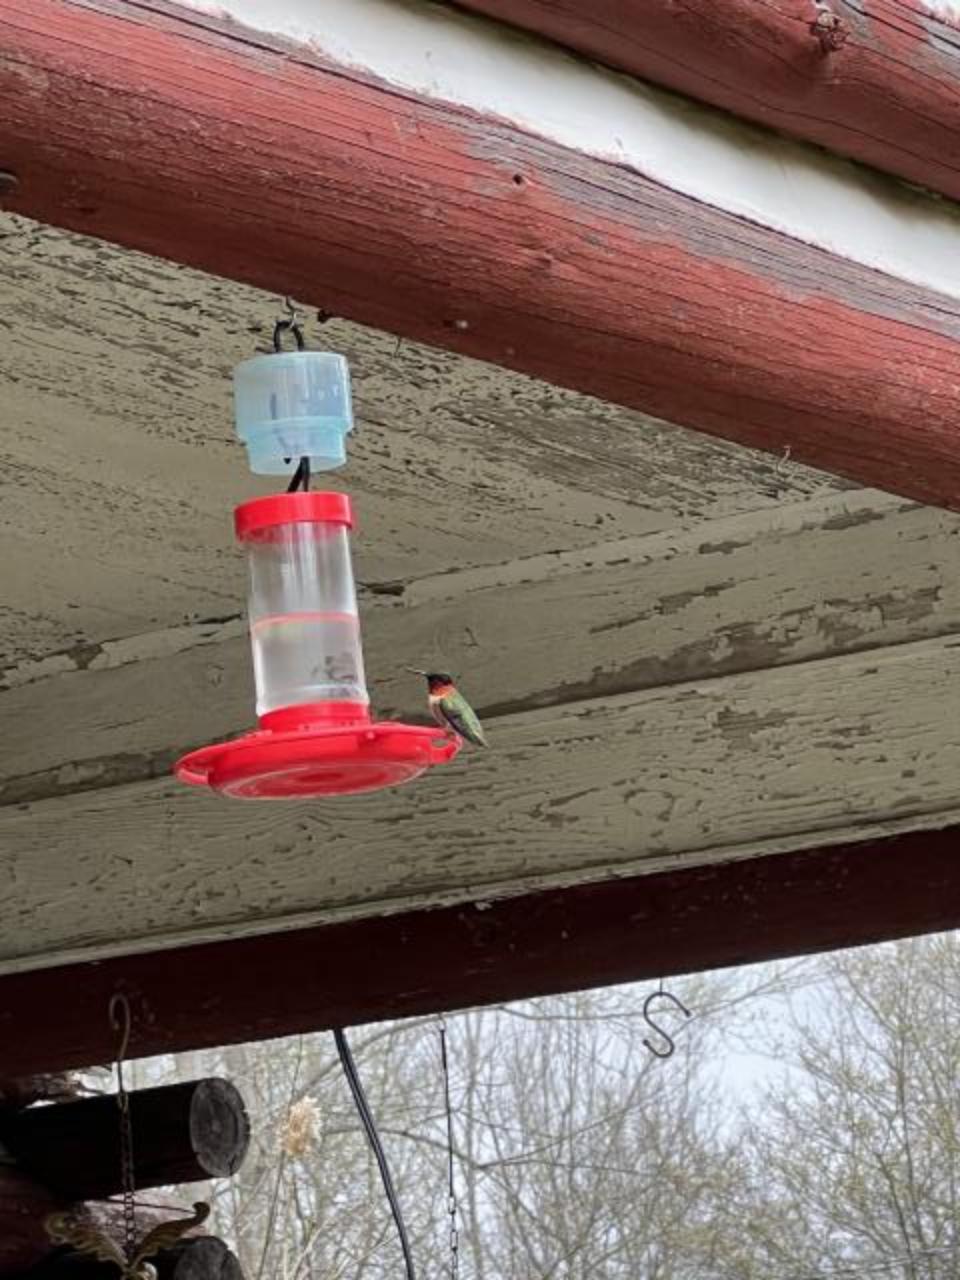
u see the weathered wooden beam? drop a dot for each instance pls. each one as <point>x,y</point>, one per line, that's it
<point>736,766</point>
<point>203,1258</point>
<point>729,595</point>
<point>90,552</point>
<point>877,82</point>
<point>174,133</point>
<point>182,1133</point>
<point>678,921</point>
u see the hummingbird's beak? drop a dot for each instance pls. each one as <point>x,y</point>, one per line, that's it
<point>415,671</point>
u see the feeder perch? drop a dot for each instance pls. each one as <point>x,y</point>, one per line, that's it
<point>316,736</point>
<point>293,404</point>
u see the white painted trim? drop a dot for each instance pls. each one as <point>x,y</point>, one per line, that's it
<point>817,198</point>
<point>945,10</point>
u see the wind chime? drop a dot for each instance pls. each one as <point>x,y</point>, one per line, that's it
<point>316,736</point>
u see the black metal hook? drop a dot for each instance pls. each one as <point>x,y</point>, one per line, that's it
<point>287,326</point>
<point>121,1020</point>
<point>662,995</point>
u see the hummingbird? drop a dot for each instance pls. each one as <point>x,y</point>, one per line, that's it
<point>450,708</point>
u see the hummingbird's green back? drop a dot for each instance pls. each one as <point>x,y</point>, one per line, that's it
<point>462,718</point>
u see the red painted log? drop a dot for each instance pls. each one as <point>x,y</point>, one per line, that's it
<point>183,136</point>
<point>421,962</point>
<point>879,82</point>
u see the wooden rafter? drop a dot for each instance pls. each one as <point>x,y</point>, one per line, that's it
<point>307,980</point>
<point>191,139</point>
<point>776,715</point>
<point>860,745</point>
<point>876,82</point>
<point>729,595</point>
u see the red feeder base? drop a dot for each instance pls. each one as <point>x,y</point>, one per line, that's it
<point>301,752</point>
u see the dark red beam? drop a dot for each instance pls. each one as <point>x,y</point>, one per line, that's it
<point>878,82</point>
<point>194,140</point>
<point>394,967</point>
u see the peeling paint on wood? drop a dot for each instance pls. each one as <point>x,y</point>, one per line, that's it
<point>810,580</point>
<point>493,511</point>
<point>434,52</point>
<point>887,96</point>
<point>405,213</point>
<point>484,952</point>
<point>120,466</point>
<point>731,767</point>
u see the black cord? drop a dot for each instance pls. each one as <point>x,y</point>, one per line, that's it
<point>370,1128</point>
<point>452,1206</point>
<point>301,477</point>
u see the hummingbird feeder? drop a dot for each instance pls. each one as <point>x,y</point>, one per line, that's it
<point>316,736</point>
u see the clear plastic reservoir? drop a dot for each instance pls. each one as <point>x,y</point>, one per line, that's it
<point>293,404</point>
<point>304,626</point>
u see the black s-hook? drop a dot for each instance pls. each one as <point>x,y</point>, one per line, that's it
<point>662,995</point>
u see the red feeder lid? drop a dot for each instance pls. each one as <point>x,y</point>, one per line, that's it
<point>323,758</point>
<point>253,517</point>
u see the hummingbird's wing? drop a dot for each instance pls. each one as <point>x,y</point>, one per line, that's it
<point>64,1228</point>
<point>166,1235</point>
<point>437,712</point>
<point>462,719</point>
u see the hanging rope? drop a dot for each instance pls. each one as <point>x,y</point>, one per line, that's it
<point>452,1206</point>
<point>120,1020</point>
<point>370,1128</point>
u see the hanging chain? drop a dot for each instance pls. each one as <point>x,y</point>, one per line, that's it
<point>452,1206</point>
<point>120,1021</point>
